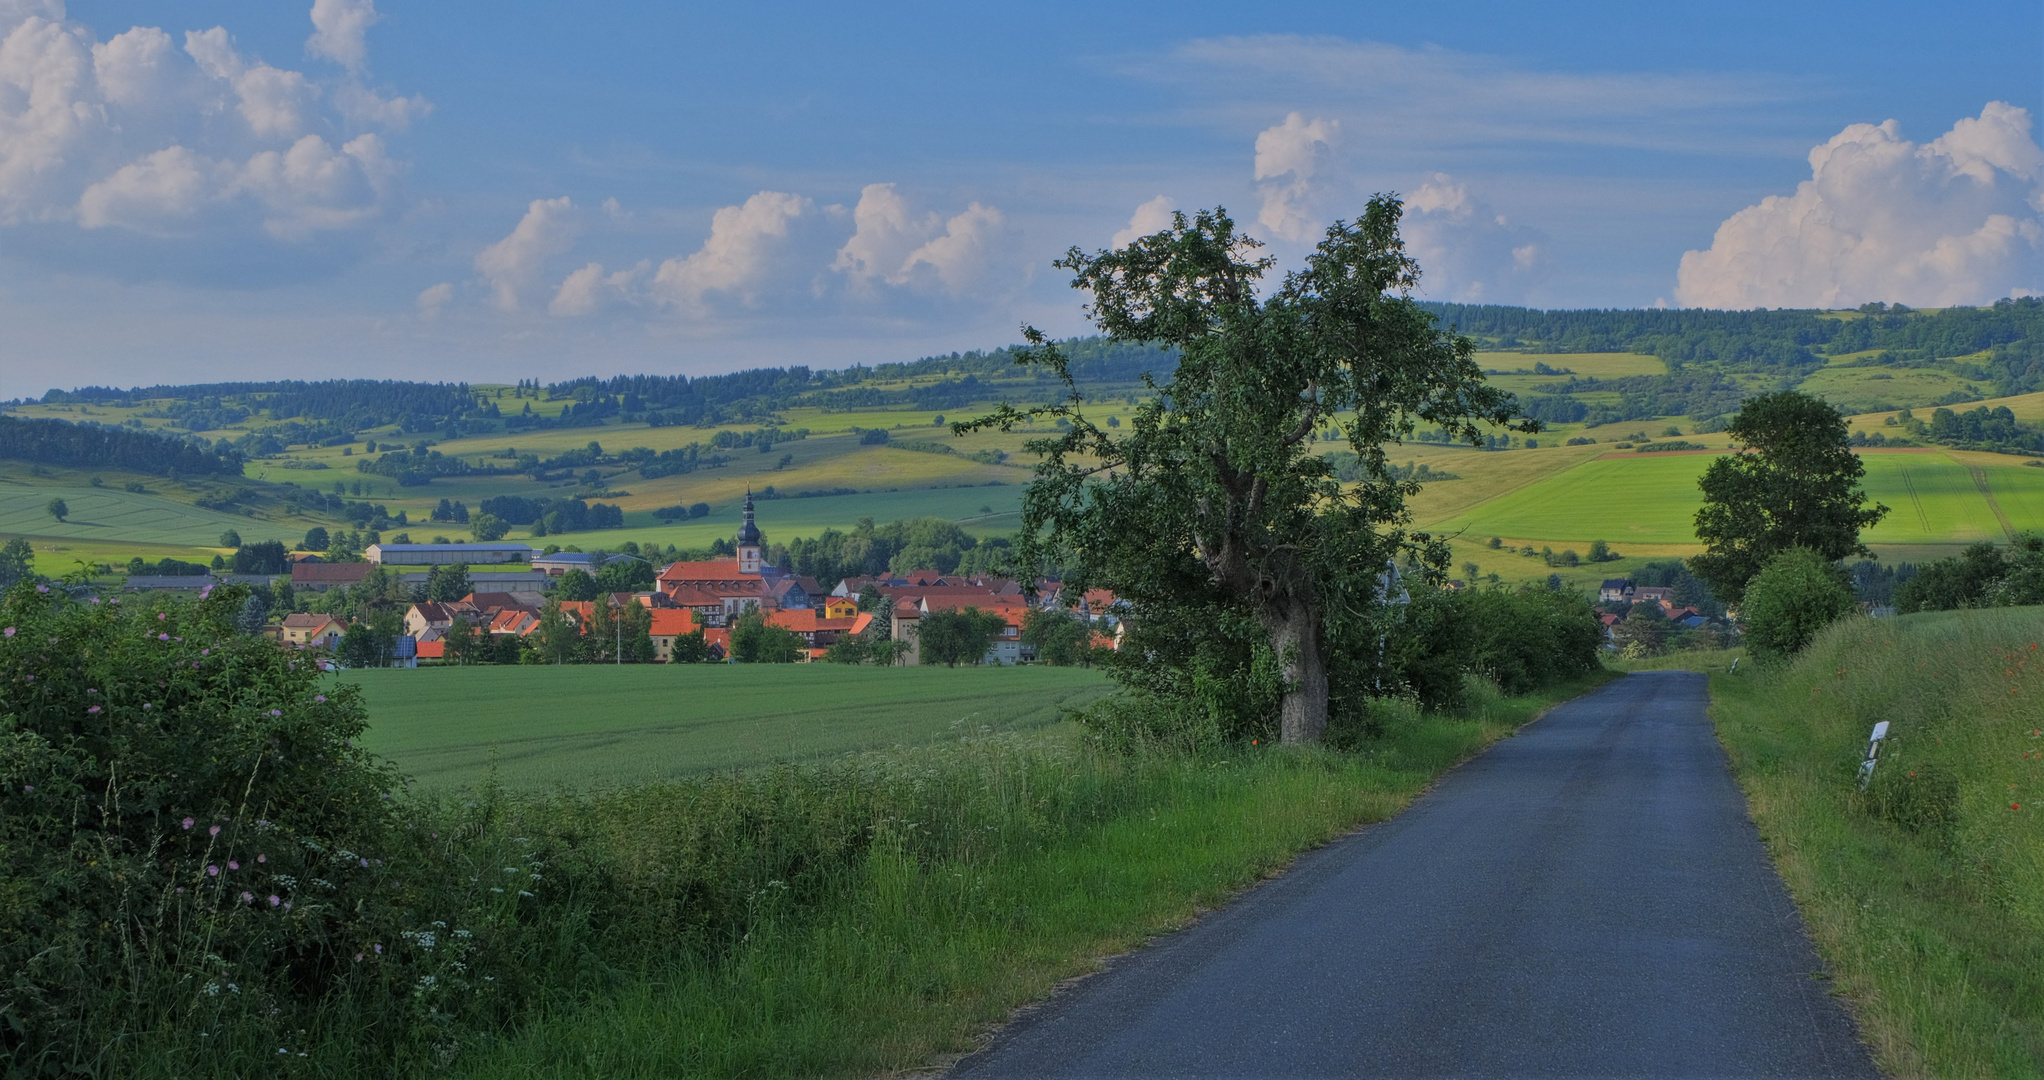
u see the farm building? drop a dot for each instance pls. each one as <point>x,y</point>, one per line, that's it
<point>319,577</point>
<point>447,554</point>
<point>560,562</point>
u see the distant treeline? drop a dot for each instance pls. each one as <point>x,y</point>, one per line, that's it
<point>711,399</point>
<point>351,404</point>
<point>2003,344</point>
<point>91,446</point>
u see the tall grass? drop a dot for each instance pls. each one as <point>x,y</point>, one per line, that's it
<point>202,875</point>
<point>1925,893</point>
<point>990,871</point>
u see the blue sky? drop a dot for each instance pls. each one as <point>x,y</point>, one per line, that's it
<point>492,191</point>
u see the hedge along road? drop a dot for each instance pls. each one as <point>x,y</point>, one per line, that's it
<point>1586,899</point>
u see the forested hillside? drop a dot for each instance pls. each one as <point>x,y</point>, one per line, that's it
<point>54,442</point>
<point>2005,341</point>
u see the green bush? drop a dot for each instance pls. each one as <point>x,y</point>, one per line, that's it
<point>189,836</point>
<point>1794,596</point>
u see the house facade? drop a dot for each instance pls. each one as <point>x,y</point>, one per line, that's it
<point>447,554</point>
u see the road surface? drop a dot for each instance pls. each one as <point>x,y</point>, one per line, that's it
<point>1588,899</point>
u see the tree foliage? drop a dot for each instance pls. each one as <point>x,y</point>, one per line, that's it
<point>1795,484</point>
<point>960,636</point>
<point>1211,500</point>
<point>1797,593</point>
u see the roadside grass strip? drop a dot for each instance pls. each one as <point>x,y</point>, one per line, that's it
<point>1017,871</point>
<point>1926,893</point>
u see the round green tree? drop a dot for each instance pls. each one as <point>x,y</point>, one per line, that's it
<point>1794,484</point>
<point>1797,593</point>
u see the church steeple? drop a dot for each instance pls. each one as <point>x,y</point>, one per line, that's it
<point>748,540</point>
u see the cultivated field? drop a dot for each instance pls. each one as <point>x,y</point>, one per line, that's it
<point>582,727</point>
<point>1935,497</point>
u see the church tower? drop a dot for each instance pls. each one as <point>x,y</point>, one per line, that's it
<point>748,540</point>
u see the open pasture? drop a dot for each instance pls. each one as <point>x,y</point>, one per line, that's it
<point>1515,369</point>
<point>980,510</point>
<point>107,516</point>
<point>583,727</point>
<point>2026,407</point>
<point>1856,389</point>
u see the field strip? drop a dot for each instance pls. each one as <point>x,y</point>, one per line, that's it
<point>1909,485</point>
<point>2008,527</point>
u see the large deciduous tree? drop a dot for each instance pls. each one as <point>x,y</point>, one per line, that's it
<point>1212,497</point>
<point>1793,484</point>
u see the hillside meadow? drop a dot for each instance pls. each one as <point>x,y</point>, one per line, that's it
<point>586,727</point>
<point>1925,893</point>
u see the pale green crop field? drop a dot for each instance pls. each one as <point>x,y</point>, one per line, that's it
<point>1652,499</point>
<point>581,727</point>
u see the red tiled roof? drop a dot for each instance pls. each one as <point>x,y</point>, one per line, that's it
<point>714,570</point>
<point>432,650</point>
<point>691,597</point>
<point>672,622</point>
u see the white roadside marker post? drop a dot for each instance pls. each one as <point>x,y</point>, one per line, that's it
<point>1866,768</point>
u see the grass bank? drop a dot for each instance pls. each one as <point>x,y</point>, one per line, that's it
<point>589,726</point>
<point>997,868</point>
<point>1925,894</point>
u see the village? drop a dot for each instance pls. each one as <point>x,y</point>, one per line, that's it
<point>690,613</point>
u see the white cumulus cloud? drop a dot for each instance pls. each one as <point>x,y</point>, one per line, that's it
<point>119,134</point>
<point>1958,220</point>
<point>893,244</point>
<point>1292,160</point>
<point>592,288</point>
<point>339,30</point>
<point>753,250</point>
<point>1149,219</point>
<point>511,266</point>
<point>1468,253</point>
<point>433,298</point>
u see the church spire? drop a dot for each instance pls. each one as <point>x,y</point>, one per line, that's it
<point>748,540</point>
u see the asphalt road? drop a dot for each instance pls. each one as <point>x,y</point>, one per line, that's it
<point>1588,899</point>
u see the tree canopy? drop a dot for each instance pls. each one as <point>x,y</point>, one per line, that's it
<point>1794,484</point>
<point>1207,506</point>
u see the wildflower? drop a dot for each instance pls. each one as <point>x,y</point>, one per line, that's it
<point>188,824</point>
<point>26,788</point>
<point>379,950</point>
<point>262,858</point>
<point>276,712</point>
<point>287,905</point>
<point>214,831</point>
<point>247,896</point>
<point>160,616</point>
<point>365,862</point>
<point>319,698</point>
<point>205,652</point>
<point>2015,806</point>
<point>163,637</point>
<point>275,900</point>
<point>212,871</point>
<point>232,865</point>
<point>94,709</point>
<point>10,631</point>
<point>42,588</point>
<point>145,706</point>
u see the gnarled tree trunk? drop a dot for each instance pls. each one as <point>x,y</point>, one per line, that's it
<point>1295,636</point>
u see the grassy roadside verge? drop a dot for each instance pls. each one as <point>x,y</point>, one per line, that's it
<point>922,948</point>
<point>1926,894</point>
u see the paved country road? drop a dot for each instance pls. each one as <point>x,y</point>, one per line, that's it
<point>1587,899</point>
